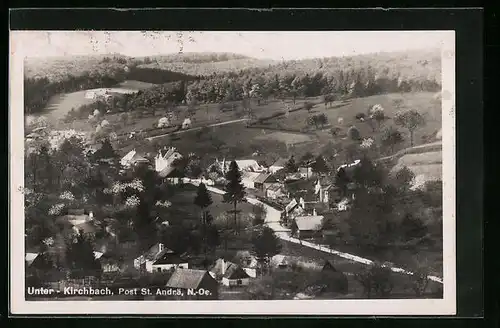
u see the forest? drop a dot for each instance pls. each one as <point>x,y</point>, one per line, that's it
<point>357,76</point>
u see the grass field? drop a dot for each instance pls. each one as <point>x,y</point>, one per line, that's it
<point>184,199</point>
<point>423,102</point>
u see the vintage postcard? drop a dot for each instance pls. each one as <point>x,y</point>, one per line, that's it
<point>232,173</point>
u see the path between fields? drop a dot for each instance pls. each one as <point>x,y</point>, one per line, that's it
<point>199,128</point>
<point>273,218</point>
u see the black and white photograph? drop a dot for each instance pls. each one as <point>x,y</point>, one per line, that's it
<point>233,172</point>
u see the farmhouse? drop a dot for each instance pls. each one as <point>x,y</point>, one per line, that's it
<point>305,172</point>
<point>158,259</point>
<point>263,181</point>
<point>230,274</point>
<point>322,190</point>
<point>249,165</point>
<point>275,191</point>
<point>164,160</point>
<point>188,280</point>
<point>248,179</point>
<point>308,226</point>
<point>88,229</point>
<point>133,158</point>
<point>278,165</point>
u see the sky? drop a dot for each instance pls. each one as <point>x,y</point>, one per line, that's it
<point>263,45</point>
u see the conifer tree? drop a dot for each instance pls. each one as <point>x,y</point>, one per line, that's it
<point>235,191</point>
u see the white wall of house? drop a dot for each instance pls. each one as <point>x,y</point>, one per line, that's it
<point>248,183</point>
<point>235,282</point>
<point>167,267</point>
<point>252,272</point>
<point>273,169</point>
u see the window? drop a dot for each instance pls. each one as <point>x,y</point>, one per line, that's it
<point>239,282</point>
<point>159,270</point>
<point>180,267</point>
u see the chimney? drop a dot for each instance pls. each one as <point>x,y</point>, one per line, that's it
<point>91,215</point>
<point>160,247</point>
<point>314,212</point>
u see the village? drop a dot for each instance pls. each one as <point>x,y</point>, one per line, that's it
<point>294,198</point>
<point>266,181</point>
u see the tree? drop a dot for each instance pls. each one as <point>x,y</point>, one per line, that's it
<point>294,228</point>
<point>375,279</point>
<point>391,138</point>
<point>342,180</point>
<point>404,178</point>
<point>335,131</point>
<point>319,166</point>
<point>411,120</point>
<point>235,191</point>
<point>291,166</point>
<point>328,100</point>
<point>308,106</point>
<point>259,215</point>
<point>366,174</point>
<point>354,133</point>
<point>265,245</point>
<point>106,151</point>
<point>80,257</point>
<point>203,200</point>
<point>419,281</point>
<point>321,119</point>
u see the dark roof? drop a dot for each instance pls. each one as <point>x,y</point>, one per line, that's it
<point>234,271</point>
<point>261,178</point>
<point>329,266</point>
<point>187,278</point>
<point>169,258</point>
<point>154,253</point>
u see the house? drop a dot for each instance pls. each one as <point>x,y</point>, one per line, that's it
<point>322,190</point>
<point>229,273</point>
<point>88,229</point>
<point>159,258</point>
<point>278,165</point>
<point>264,180</point>
<point>344,204</point>
<point>248,262</point>
<point>294,208</point>
<point>275,191</point>
<point>250,165</point>
<point>133,158</point>
<point>279,261</point>
<point>74,217</point>
<point>188,280</point>
<point>308,226</point>
<point>165,159</point>
<point>248,179</point>
<point>305,172</point>
<point>186,124</point>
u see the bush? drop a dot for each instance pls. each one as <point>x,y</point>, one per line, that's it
<point>376,280</point>
<point>360,116</point>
